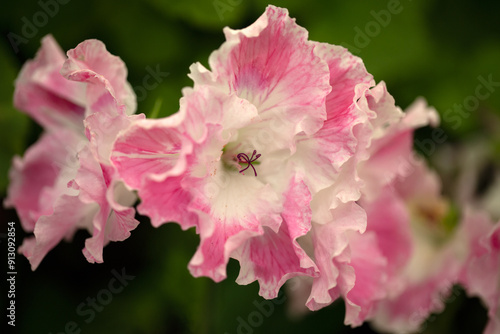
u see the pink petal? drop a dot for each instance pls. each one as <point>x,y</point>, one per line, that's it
<point>239,210</point>
<point>391,153</point>
<point>214,107</point>
<point>272,65</point>
<point>218,241</point>
<point>330,241</point>
<point>273,258</point>
<point>419,183</point>
<point>370,284</point>
<point>110,223</point>
<point>347,75</point>
<point>151,157</point>
<point>166,201</point>
<point>341,145</point>
<point>150,147</point>
<point>51,229</point>
<point>43,93</point>
<point>102,130</point>
<point>336,142</point>
<point>38,179</point>
<point>481,274</point>
<point>420,285</point>
<point>388,218</point>
<point>410,309</point>
<point>107,74</point>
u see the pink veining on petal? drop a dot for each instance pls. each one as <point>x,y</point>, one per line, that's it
<point>289,76</point>
<point>150,147</point>
<point>346,72</point>
<point>218,241</point>
<point>273,257</point>
<point>166,201</point>
<point>236,212</point>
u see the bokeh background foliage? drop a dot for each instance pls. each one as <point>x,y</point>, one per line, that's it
<point>436,49</point>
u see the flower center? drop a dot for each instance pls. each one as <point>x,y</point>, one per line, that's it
<point>244,159</point>
<point>436,218</point>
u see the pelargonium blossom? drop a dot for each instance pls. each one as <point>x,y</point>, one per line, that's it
<point>412,224</point>
<point>258,150</point>
<point>358,279</point>
<point>66,181</point>
<point>425,260</point>
<point>349,273</point>
<point>480,275</point>
<point>418,248</point>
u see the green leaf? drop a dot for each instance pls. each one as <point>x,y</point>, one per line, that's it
<point>212,14</point>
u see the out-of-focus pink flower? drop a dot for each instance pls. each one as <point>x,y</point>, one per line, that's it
<point>386,138</point>
<point>66,181</point>
<point>423,257</point>
<point>257,152</point>
<point>105,75</point>
<point>364,280</point>
<point>408,216</point>
<point>481,273</point>
<point>44,94</point>
<point>426,250</point>
<point>42,176</point>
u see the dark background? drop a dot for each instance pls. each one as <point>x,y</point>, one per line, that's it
<point>435,49</point>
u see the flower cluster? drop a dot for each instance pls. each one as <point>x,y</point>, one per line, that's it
<point>285,155</point>
<point>66,180</point>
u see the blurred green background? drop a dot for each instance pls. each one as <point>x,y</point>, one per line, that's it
<point>435,49</point>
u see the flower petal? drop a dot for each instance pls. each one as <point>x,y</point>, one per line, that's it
<point>107,74</point>
<point>43,93</point>
<point>481,274</point>
<point>239,209</point>
<point>348,78</point>
<point>391,152</point>
<point>273,257</point>
<point>42,175</point>
<point>109,223</point>
<point>330,241</point>
<point>370,284</point>
<point>388,218</point>
<point>150,147</point>
<point>51,229</point>
<point>102,129</point>
<point>272,65</point>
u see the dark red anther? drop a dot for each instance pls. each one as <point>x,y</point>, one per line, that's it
<point>242,157</point>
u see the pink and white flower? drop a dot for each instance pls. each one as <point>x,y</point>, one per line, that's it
<point>408,216</point>
<point>45,95</point>
<point>481,274</point>
<point>347,272</point>
<point>66,180</point>
<point>423,254</point>
<point>364,280</point>
<point>257,151</point>
<point>412,227</point>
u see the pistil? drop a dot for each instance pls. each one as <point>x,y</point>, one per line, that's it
<point>243,158</point>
